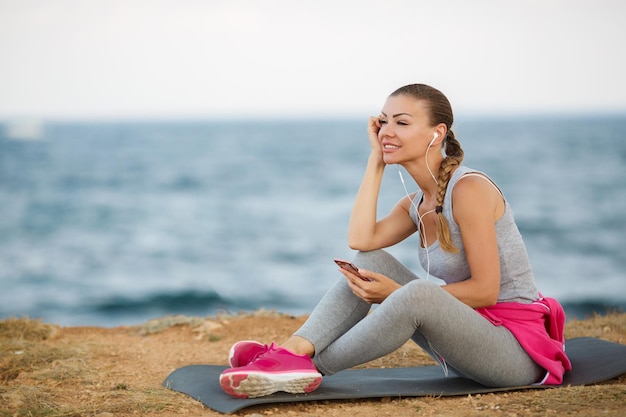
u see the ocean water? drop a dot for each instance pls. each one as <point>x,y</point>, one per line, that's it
<point>116,223</point>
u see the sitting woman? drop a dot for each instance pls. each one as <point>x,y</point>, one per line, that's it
<point>488,322</point>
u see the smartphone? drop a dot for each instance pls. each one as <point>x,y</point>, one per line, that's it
<point>349,266</point>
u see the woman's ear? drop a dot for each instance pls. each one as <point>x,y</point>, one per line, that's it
<point>441,130</point>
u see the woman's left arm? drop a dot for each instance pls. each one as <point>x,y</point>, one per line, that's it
<point>477,205</point>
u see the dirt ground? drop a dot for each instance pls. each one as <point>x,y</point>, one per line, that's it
<point>46,370</point>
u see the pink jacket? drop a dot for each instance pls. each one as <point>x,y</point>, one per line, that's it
<point>538,327</point>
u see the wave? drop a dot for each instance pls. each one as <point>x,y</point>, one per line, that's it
<point>186,302</point>
<point>586,308</point>
<point>183,302</point>
<point>208,303</point>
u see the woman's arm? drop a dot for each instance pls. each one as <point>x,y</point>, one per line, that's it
<point>364,231</point>
<point>476,208</point>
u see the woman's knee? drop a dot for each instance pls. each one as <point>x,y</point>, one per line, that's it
<point>384,263</point>
<point>372,259</point>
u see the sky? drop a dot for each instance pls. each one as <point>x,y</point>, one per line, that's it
<point>160,59</point>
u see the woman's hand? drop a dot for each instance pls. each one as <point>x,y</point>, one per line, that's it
<point>373,127</point>
<point>374,291</point>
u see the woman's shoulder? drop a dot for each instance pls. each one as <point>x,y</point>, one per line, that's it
<point>470,175</point>
<point>476,190</point>
<point>462,170</point>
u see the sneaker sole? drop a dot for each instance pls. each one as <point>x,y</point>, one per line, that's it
<point>260,384</point>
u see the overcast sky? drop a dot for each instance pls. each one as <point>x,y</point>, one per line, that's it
<point>77,59</point>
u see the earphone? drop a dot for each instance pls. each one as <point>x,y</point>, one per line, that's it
<point>421,225</point>
<point>435,136</point>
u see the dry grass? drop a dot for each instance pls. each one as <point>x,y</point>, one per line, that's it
<point>37,374</point>
<point>46,370</point>
<point>20,350</point>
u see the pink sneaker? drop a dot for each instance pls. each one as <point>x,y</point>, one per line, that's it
<point>275,370</point>
<point>244,352</point>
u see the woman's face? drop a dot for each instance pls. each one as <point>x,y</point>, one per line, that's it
<point>405,131</point>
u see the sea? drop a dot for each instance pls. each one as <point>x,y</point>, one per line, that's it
<point>116,223</point>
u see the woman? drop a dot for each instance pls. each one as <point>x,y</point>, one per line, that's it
<point>488,322</point>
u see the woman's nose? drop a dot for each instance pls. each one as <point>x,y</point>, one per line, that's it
<point>385,130</point>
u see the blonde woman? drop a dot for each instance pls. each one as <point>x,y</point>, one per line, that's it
<point>488,322</point>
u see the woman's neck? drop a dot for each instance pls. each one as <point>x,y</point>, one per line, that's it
<point>425,176</point>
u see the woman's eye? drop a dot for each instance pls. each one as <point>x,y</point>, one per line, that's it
<point>382,121</point>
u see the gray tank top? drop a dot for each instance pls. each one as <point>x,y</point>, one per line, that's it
<point>516,278</point>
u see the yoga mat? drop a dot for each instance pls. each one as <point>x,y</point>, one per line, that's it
<point>593,360</point>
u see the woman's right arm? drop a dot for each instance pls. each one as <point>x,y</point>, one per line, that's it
<point>365,233</point>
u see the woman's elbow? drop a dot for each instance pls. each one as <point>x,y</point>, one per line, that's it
<point>356,245</point>
<point>490,298</point>
<point>359,244</point>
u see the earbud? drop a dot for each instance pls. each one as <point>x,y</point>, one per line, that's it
<point>435,136</point>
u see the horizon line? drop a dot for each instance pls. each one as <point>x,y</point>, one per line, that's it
<point>233,117</point>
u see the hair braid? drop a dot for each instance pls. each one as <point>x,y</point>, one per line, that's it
<point>454,157</point>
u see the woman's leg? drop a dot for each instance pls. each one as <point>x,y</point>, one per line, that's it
<point>469,343</point>
<point>339,310</point>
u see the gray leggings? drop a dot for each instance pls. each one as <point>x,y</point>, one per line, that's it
<point>345,335</point>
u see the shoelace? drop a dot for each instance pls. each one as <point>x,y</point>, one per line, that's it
<point>266,350</point>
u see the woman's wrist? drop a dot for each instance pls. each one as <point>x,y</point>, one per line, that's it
<point>376,159</point>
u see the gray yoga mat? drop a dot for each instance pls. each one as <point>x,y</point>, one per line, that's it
<point>593,360</point>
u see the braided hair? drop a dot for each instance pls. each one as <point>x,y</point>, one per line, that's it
<point>440,111</point>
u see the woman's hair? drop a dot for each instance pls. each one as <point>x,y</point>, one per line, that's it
<point>440,111</point>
